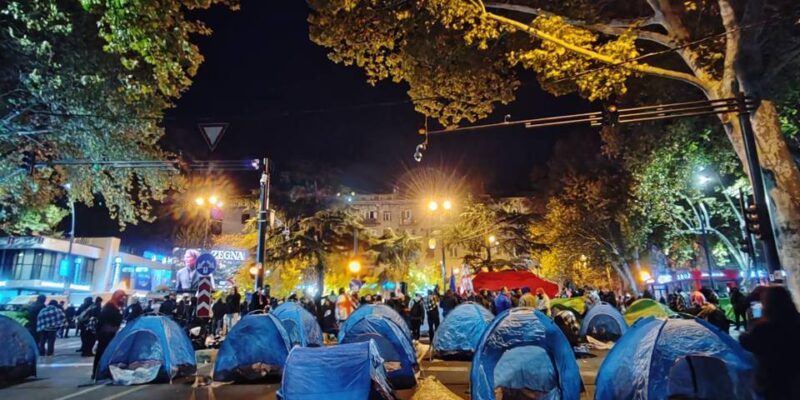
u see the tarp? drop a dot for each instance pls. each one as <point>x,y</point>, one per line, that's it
<point>345,372</point>
<point>459,333</point>
<point>256,346</point>
<point>659,358</point>
<point>394,347</point>
<point>513,279</point>
<point>524,349</point>
<point>603,322</point>
<point>302,327</point>
<point>381,310</point>
<point>644,308</point>
<point>148,348</point>
<point>18,352</point>
<point>575,304</point>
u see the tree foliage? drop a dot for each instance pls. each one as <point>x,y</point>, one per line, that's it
<point>89,81</point>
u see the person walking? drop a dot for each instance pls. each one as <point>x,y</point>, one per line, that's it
<point>770,340</point>
<point>416,315</point>
<point>33,315</point>
<point>108,324</point>
<point>48,322</point>
<point>431,303</point>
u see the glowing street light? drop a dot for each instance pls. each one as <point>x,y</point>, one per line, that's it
<point>447,205</point>
<point>433,205</point>
<point>645,276</point>
<point>199,201</point>
<point>254,271</point>
<point>354,266</point>
<point>213,199</point>
<point>492,239</point>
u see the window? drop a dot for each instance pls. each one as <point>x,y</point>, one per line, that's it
<point>453,252</point>
<point>406,215</point>
<point>373,215</point>
<point>48,266</point>
<point>23,265</point>
<point>245,217</point>
<point>387,215</point>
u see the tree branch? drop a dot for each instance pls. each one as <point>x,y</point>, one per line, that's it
<point>615,27</point>
<point>591,54</point>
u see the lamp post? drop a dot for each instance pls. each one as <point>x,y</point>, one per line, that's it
<point>263,206</point>
<point>212,202</point>
<point>491,240</point>
<point>433,206</point>
<point>704,234</point>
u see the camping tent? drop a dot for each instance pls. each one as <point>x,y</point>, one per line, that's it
<point>18,353</point>
<point>603,322</point>
<point>523,349</point>
<point>660,358</point>
<point>345,372</point>
<point>643,308</point>
<point>380,310</point>
<point>461,330</point>
<point>256,346</point>
<point>513,279</point>
<point>399,356</point>
<point>149,348</point>
<point>575,304</point>
<point>302,327</point>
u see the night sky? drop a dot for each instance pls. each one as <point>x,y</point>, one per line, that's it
<point>285,100</point>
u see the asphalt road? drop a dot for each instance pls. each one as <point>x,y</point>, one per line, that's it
<point>65,376</point>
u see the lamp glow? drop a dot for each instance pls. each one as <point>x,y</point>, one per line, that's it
<point>492,239</point>
<point>433,205</point>
<point>199,201</point>
<point>447,205</point>
<point>354,266</point>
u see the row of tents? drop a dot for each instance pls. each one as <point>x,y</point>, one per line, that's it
<point>521,351</point>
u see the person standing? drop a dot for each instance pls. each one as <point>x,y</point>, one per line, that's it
<point>344,307</point>
<point>69,314</point>
<point>329,326</point>
<point>87,302</point>
<point>88,321</point>
<point>542,301</point>
<point>431,303</point>
<point>527,299</point>
<point>770,339</point>
<point>33,315</point>
<point>48,322</point>
<point>108,324</point>
<point>233,309</point>
<point>502,302</point>
<point>739,305</point>
<point>218,315</point>
<point>448,302</point>
<point>416,314</point>
<point>134,310</point>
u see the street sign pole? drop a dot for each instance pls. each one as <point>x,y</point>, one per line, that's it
<point>206,264</point>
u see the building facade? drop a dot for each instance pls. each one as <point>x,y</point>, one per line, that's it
<point>39,265</point>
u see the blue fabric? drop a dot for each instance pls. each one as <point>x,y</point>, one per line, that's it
<point>603,320</point>
<point>502,303</point>
<point>391,343</point>
<point>653,353</point>
<point>462,329</point>
<point>379,310</point>
<point>258,338</point>
<point>345,372</point>
<point>18,352</point>
<point>302,327</point>
<point>524,327</point>
<point>527,367</point>
<point>150,338</point>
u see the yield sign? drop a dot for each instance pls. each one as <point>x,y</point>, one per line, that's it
<point>212,133</point>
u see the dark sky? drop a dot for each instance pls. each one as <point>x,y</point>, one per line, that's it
<point>285,100</point>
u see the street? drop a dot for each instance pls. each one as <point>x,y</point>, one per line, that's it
<point>66,376</point>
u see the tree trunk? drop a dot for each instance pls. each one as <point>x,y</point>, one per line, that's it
<point>626,271</point>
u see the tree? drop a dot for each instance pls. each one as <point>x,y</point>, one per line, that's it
<point>457,58</point>
<point>89,81</point>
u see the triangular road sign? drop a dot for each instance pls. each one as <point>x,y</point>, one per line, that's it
<point>212,133</point>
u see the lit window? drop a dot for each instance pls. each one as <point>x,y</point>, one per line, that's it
<point>387,215</point>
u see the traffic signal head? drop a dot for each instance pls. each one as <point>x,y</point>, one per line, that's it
<point>751,221</point>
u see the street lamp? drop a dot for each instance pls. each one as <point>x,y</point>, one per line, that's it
<point>213,201</point>
<point>354,266</point>
<point>433,205</point>
<point>70,265</point>
<point>447,205</point>
<point>491,240</point>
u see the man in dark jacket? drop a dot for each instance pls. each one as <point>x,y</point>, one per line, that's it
<point>218,314</point>
<point>87,302</point>
<point>69,313</point>
<point>234,302</point>
<point>88,322</point>
<point>33,314</point>
<point>448,303</point>
<point>108,324</point>
<point>167,308</point>
<point>739,304</point>
<point>134,310</point>
<point>416,314</point>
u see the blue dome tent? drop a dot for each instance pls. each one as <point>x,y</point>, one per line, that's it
<point>256,346</point>
<point>523,349</point>
<point>149,348</point>
<point>302,327</point>
<point>461,330</point>
<point>603,322</point>
<point>394,347</point>
<point>687,358</point>
<point>380,310</point>
<point>18,353</point>
<point>345,372</point>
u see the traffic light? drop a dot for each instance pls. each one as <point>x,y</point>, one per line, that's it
<point>751,221</point>
<point>610,114</point>
<point>745,246</point>
<point>29,161</point>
